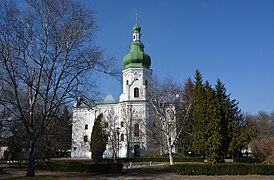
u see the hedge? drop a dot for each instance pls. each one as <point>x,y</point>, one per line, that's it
<point>162,159</point>
<point>223,169</point>
<point>110,168</point>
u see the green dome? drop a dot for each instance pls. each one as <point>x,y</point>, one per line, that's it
<point>136,57</point>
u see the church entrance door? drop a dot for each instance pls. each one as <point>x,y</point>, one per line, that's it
<point>136,150</point>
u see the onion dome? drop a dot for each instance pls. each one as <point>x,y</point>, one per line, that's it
<point>136,57</point>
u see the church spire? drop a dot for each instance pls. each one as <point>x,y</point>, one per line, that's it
<point>136,31</point>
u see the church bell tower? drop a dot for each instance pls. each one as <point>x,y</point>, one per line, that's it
<point>137,72</point>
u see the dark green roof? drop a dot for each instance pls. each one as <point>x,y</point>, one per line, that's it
<point>136,28</point>
<point>137,57</point>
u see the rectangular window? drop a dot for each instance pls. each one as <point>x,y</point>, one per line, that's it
<point>85,138</point>
<point>86,126</point>
<point>136,130</point>
<point>136,92</point>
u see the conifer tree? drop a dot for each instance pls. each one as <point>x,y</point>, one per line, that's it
<point>208,121</point>
<point>200,113</point>
<point>213,127</point>
<point>239,133</point>
<point>235,137</point>
<point>219,127</point>
<point>98,139</point>
<point>226,115</point>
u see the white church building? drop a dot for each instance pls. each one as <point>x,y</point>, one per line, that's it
<point>126,121</point>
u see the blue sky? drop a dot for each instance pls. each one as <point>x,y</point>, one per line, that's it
<point>228,39</point>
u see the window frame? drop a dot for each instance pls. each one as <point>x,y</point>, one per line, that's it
<point>85,138</point>
<point>136,130</point>
<point>136,92</point>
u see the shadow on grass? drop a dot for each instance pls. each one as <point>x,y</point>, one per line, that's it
<point>148,171</point>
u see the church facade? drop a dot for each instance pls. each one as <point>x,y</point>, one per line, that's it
<point>127,121</point>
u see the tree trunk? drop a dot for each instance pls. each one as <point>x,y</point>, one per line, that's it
<point>32,157</point>
<point>171,162</point>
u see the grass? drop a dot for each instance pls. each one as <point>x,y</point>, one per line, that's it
<point>154,172</point>
<point>49,177</point>
<point>160,172</point>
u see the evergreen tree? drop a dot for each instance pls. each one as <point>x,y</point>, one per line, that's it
<point>66,120</point>
<point>213,132</point>
<point>219,126</point>
<point>98,139</point>
<point>235,135</point>
<point>226,115</point>
<point>208,121</point>
<point>200,114</point>
<point>56,139</point>
<point>240,133</point>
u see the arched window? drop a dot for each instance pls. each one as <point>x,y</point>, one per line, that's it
<point>86,126</point>
<point>136,130</point>
<point>122,137</point>
<point>136,92</point>
<point>122,123</point>
<point>127,82</point>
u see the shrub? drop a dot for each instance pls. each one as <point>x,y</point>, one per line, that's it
<point>82,167</point>
<point>223,169</point>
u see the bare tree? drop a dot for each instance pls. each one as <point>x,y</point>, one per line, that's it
<point>127,116</point>
<point>166,100</point>
<point>134,126</point>
<point>121,134</point>
<point>262,147</point>
<point>110,125</point>
<point>186,118</point>
<point>46,54</point>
